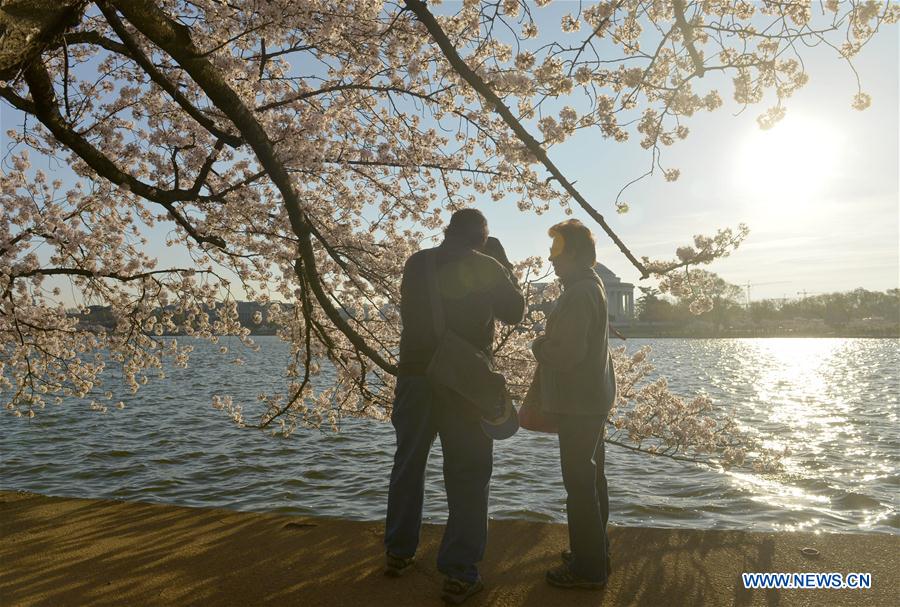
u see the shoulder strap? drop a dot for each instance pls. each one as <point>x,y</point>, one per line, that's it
<point>437,308</point>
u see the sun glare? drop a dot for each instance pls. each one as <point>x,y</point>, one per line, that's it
<point>786,167</point>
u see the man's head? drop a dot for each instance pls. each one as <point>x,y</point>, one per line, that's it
<point>573,247</point>
<point>467,227</point>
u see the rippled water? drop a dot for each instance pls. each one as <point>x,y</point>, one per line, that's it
<point>834,402</point>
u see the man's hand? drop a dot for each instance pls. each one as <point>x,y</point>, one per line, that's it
<point>493,248</point>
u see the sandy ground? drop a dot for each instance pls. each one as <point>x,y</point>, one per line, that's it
<point>65,551</point>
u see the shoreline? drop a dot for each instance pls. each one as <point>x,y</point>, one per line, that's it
<point>639,335</point>
<point>75,551</point>
<point>631,332</point>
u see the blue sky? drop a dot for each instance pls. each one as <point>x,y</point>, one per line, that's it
<point>827,222</point>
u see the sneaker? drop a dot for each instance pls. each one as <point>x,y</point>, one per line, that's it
<point>394,565</point>
<point>563,577</point>
<point>566,556</point>
<point>455,591</point>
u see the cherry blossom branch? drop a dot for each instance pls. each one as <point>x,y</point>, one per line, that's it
<point>688,33</point>
<point>164,83</point>
<point>94,38</point>
<point>46,109</point>
<point>112,275</point>
<point>476,82</point>
<point>175,39</point>
<point>348,87</point>
<point>637,449</point>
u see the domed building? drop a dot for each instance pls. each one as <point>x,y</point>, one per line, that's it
<point>619,295</point>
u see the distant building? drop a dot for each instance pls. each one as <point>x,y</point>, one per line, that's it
<point>620,295</point>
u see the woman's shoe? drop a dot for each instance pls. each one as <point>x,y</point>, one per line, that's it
<point>566,556</point>
<point>563,577</point>
<point>455,591</point>
<point>394,565</point>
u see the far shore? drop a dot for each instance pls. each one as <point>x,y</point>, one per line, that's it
<point>67,551</point>
<point>641,332</point>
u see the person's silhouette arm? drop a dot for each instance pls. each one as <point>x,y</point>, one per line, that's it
<point>494,249</point>
<point>506,296</point>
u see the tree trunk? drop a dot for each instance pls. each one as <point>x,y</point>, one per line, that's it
<point>28,26</point>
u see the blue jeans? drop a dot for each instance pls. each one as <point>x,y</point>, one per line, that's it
<point>582,457</point>
<point>419,415</point>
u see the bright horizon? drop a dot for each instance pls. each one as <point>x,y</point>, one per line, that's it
<point>827,223</point>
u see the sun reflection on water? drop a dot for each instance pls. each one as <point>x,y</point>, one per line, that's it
<point>790,497</point>
<point>793,382</point>
<point>800,410</point>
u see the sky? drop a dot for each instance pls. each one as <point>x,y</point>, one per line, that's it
<point>819,191</point>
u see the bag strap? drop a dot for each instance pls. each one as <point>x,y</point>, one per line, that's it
<point>437,308</point>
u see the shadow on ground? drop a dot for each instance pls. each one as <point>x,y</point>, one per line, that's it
<point>62,551</point>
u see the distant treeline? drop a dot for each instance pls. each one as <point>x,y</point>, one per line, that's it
<point>252,315</point>
<point>857,313</point>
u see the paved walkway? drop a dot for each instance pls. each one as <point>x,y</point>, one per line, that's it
<point>63,551</point>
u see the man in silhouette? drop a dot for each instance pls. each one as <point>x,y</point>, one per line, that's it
<point>476,287</point>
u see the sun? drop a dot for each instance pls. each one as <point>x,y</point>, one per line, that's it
<point>787,167</point>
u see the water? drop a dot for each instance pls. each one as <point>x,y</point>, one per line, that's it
<point>834,402</point>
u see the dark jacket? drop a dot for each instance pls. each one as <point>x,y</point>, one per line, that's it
<point>475,289</point>
<point>575,372</point>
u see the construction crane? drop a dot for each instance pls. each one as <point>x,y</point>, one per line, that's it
<point>806,293</point>
<point>747,286</point>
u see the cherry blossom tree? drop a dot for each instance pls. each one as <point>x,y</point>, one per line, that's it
<point>298,151</point>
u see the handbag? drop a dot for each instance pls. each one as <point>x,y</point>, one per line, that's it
<point>530,415</point>
<point>457,365</point>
